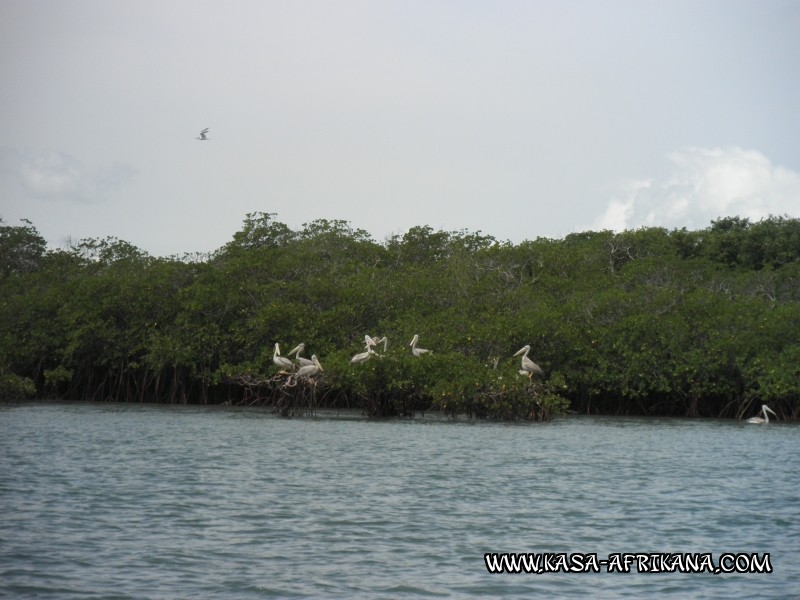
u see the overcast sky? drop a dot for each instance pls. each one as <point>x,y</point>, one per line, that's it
<point>519,119</point>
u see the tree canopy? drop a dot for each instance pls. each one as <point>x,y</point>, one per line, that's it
<point>645,321</point>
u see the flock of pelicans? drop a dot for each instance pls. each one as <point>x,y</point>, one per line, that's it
<point>307,367</point>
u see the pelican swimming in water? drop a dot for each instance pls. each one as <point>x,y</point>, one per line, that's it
<point>301,360</point>
<point>203,137</point>
<point>414,350</point>
<point>281,361</point>
<point>312,369</point>
<point>764,410</point>
<point>528,366</point>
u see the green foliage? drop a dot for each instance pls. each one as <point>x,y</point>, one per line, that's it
<point>647,321</point>
<point>21,249</point>
<point>260,230</point>
<point>13,387</point>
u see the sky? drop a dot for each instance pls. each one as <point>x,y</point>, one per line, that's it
<point>518,119</point>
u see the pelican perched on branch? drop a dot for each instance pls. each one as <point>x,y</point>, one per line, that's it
<point>376,341</point>
<point>202,136</point>
<point>281,361</point>
<point>312,369</point>
<point>302,361</point>
<point>414,350</point>
<point>363,357</point>
<point>528,366</point>
<point>764,410</point>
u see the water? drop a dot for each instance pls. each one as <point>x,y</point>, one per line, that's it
<point>131,501</point>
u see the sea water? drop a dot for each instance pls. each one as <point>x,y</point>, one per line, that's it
<point>143,501</point>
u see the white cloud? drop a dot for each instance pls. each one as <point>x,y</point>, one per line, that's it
<point>56,176</point>
<point>703,185</point>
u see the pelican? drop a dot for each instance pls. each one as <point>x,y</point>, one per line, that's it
<point>764,410</point>
<point>414,350</point>
<point>203,137</point>
<point>302,361</point>
<point>312,369</point>
<point>528,366</point>
<point>281,361</point>
<point>384,339</point>
<point>364,356</point>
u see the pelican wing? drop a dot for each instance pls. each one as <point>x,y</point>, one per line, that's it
<point>282,362</point>
<point>311,369</point>
<point>363,357</point>
<point>531,366</point>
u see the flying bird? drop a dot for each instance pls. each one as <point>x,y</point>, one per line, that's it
<point>203,135</point>
<point>414,350</point>
<point>764,410</point>
<point>528,366</point>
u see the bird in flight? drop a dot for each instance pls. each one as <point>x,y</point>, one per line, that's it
<point>203,135</point>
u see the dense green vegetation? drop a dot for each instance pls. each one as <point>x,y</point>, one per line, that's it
<point>651,322</point>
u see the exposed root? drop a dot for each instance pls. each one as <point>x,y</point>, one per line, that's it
<point>287,394</point>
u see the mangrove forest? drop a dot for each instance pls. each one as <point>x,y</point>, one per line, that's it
<point>640,322</point>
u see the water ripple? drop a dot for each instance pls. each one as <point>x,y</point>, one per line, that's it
<point>123,501</point>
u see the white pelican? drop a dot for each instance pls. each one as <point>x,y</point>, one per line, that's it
<point>281,361</point>
<point>414,350</point>
<point>302,361</point>
<point>363,357</point>
<point>528,366</point>
<point>311,369</point>
<point>764,410</point>
<point>203,137</point>
<point>384,339</point>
